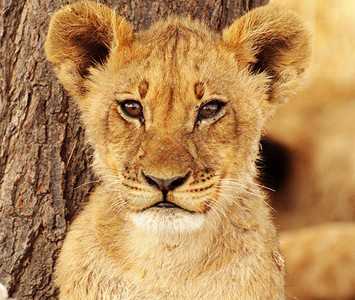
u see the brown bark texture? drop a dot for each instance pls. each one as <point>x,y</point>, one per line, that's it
<point>45,173</point>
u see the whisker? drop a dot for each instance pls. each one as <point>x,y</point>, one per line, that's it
<point>233,182</point>
<point>86,183</point>
<point>126,222</point>
<point>218,209</point>
<point>264,187</point>
<point>214,210</point>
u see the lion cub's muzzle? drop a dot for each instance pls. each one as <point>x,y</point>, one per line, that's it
<point>169,206</point>
<point>165,186</point>
<point>189,191</point>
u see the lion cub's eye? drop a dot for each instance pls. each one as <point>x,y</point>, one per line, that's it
<point>132,108</point>
<point>210,109</point>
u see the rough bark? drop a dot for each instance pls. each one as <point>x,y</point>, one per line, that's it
<point>45,173</point>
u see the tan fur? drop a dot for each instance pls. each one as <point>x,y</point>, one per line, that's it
<point>222,244</point>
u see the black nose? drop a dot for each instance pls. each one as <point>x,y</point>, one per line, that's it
<point>166,185</point>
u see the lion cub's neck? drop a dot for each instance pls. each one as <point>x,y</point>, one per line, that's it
<point>233,255</point>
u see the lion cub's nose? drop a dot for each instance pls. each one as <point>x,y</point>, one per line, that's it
<point>166,185</point>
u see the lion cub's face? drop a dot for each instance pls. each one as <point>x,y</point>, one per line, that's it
<point>174,113</point>
<point>171,126</point>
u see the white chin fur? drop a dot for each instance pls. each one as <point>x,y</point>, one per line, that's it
<point>168,220</point>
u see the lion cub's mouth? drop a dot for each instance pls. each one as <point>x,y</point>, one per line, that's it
<point>166,204</point>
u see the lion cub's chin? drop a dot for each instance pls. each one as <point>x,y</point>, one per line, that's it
<point>168,220</point>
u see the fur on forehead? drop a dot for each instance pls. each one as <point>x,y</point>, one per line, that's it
<point>268,40</point>
<point>175,27</point>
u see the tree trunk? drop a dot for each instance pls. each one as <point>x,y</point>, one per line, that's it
<point>45,173</point>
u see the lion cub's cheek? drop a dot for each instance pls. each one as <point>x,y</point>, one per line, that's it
<point>167,221</point>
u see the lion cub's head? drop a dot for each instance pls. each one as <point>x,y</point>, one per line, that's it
<point>175,113</point>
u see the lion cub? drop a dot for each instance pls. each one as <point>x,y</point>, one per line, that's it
<point>174,115</point>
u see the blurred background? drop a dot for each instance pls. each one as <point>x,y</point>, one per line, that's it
<point>310,144</point>
<point>309,159</point>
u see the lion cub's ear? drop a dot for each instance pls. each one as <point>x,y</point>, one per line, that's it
<point>272,40</point>
<point>80,36</point>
